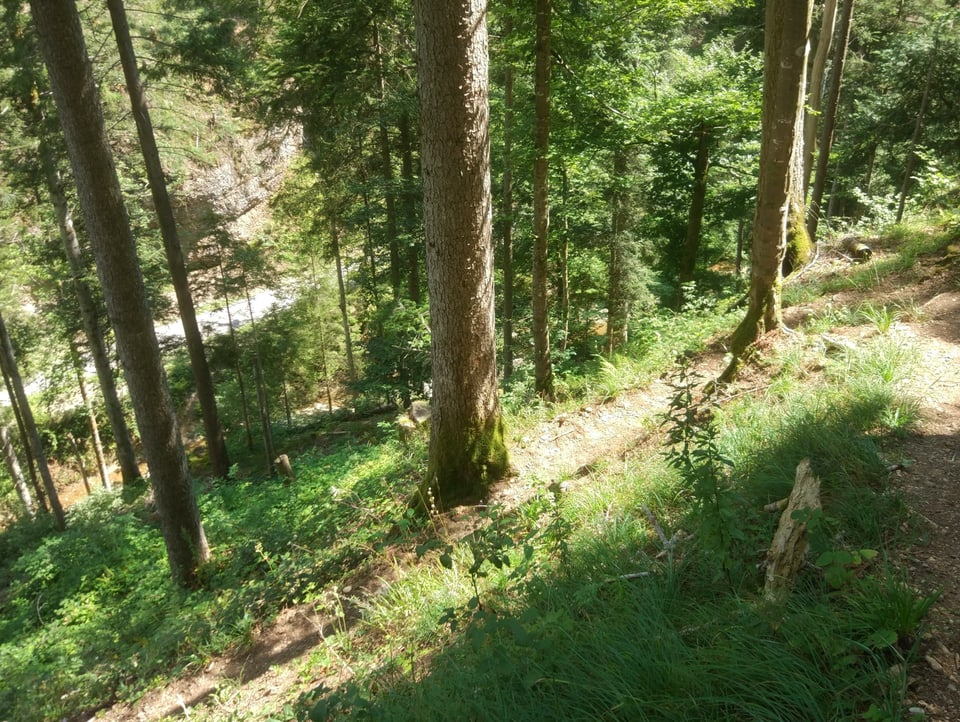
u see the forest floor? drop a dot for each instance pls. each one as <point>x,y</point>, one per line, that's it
<point>259,681</point>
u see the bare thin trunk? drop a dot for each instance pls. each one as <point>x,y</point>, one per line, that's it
<point>386,162</point>
<point>565,260</point>
<point>912,158</point>
<point>81,467</point>
<point>89,317</point>
<point>244,404</point>
<point>27,451</point>
<point>698,201</point>
<point>507,200</point>
<point>263,398</point>
<point>408,204</point>
<point>618,308</point>
<point>92,418</point>
<point>342,293</point>
<point>543,367</point>
<point>16,473</point>
<point>817,71</point>
<point>829,122</point>
<point>206,394</point>
<point>8,362</point>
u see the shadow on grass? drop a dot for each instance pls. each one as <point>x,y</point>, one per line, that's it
<point>594,638</point>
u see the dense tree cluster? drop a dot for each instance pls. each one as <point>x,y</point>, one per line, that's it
<point>606,162</point>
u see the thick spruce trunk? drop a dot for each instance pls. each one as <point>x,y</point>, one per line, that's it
<point>74,89</point>
<point>467,450</point>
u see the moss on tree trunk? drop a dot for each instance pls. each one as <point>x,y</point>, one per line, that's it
<point>462,469</point>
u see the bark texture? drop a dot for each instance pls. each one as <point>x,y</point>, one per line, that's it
<point>78,106</point>
<point>467,450</point>
<point>788,551</point>
<point>787,26</point>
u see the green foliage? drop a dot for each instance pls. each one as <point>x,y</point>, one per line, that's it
<point>397,343</point>
<point>92,613</point>
<point>693,450</point>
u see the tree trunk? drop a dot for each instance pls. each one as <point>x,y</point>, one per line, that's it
<point>89,317</point>
<point>263,398</point>
<point>389,198</point>
<point>206,394</point>
<point>409,205</point>
<point>543,367</point>
<point>788,551</point>
<point>16,473</point>
<point>91,417</point>
<point>618,306</point>
<point>467,450</point>
<point>698,201</point>
<point>829,118</point>
<point>817,69</point>
<point>81,467</point>
<point>564,282</point>
<point>507,201</point>
<point>74,89</point>
<point>342,294</point>
<point>784,78</point>
<point>244,404</point>
<point>8,364</point>
<point>912,159</point>
<point>27,451</point>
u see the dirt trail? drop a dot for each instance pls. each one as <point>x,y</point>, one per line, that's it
<point>262,679</point>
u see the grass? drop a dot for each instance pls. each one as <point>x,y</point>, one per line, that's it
<point>93,615</point>
<point>573,606</point>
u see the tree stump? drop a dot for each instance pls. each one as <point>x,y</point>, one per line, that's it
<point>286,469</point>
<point>790,543</point>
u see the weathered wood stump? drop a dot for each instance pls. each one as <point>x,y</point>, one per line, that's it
<point>284,467</point>
<point>789,548</point>
<point>416,419</point>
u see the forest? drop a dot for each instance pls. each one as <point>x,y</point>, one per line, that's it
<point>522,359</point>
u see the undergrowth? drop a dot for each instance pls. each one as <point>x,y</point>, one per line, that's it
<point>637,594</point>
<point>633,592</point>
